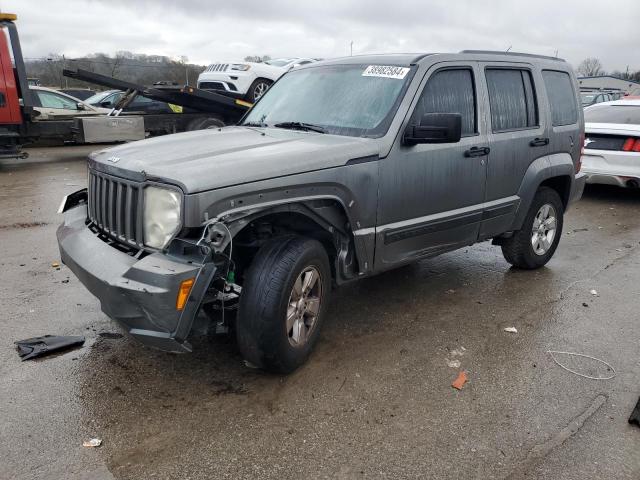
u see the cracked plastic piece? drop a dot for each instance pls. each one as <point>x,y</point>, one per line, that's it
<point>634,419</point>
<point>38,346</point>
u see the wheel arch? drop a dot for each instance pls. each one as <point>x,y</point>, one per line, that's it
<point>554,171</point>
<point>322,218</point>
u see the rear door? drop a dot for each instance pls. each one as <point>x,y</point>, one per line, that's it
<point>518,135</point>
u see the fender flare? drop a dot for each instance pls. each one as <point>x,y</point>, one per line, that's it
<point>541,169</point>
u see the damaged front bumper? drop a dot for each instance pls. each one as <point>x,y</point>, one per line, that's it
<point>140,294</point>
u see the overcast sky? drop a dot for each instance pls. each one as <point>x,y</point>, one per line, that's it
<point>207,31</point>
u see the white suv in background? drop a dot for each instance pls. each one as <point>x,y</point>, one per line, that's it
<point>247,79</point>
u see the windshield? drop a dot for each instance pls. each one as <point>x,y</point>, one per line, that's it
<point>98,97</point>
<point>629,114</point>
<point>587,98</point>
<point>352,100</point>
<point>279,62</point>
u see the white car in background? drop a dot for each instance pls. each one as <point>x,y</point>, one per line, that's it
<point>612,143</point>
<point>52,104</point>
<point>247,79</point>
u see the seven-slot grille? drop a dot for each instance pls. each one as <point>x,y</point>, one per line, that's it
<point>217,67</point>
<point>115,207</point>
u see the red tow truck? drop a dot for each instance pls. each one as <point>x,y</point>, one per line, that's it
<point>20,125</point>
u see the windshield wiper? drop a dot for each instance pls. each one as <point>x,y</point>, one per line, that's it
<point>309,127</point>
<point>253,124</point>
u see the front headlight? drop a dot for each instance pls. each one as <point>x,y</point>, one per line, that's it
<point>240,66</point>
<point>161,216</point>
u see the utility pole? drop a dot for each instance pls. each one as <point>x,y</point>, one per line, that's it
<point>66,79</point>
<point>186,73</point>
<point>351,48</point>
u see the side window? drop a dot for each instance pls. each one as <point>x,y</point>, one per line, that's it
<point>51,100</point>
<point>511,99</point>
<point>450,91</point>
<point>562,99</point>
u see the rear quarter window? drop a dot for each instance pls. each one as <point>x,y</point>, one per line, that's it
<point>562,99</point>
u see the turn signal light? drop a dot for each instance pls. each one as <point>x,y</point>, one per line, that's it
<point>183,293</point>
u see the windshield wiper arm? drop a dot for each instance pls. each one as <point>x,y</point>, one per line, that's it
<point>301,126</point>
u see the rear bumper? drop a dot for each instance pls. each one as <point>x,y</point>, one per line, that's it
<point>138,294</point>
<point>611,167</point>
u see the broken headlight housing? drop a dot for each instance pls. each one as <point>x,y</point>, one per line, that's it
<point>161,219</point>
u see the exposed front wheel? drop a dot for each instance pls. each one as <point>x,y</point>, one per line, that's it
<point>284,297</point>
<point>536,242</point>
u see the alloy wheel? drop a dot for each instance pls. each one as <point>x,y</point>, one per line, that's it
<point>543,231</point>
<point>304,306</point>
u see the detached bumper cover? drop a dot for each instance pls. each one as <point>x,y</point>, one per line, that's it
<point>139,294</point>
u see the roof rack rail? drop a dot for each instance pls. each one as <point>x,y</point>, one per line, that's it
<point>517,54</point>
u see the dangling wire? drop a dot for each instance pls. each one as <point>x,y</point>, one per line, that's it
<point>552,352</point>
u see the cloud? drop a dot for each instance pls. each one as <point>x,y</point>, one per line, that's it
<point>206,31</point>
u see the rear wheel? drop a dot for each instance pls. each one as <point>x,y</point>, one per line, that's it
<point>202,123</point>
<point>536,242</point>
<point>283,301</point>
<point>257,89</point>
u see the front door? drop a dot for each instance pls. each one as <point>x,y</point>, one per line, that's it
<point>431,195</point>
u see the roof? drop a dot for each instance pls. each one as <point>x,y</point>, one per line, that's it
<point>512,54</point>
<point>400,59</point>
<point>403,59</point>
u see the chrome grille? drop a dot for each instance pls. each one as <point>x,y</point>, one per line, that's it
<point>115,207</point>
<point>218,67</point>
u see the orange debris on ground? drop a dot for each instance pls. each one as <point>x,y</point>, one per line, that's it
<point>459,382</point>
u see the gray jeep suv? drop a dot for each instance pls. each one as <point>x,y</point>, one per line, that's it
<point>343,169</point>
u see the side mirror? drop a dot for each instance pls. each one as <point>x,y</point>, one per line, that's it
<point>435,128</point>
<point>80,106</point>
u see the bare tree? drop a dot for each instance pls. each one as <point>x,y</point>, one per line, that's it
<point>257,58</point>
<point>590,67</point>
<point>117,62</point>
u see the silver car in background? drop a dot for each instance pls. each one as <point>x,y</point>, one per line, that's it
<point>612,143</point>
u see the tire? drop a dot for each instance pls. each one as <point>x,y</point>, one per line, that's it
<point>257,89</point>
<point>265,337</point>
<point>525,250</point>
<point>202,123</point>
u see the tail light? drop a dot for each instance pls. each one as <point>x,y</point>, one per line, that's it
<point>631,145</point>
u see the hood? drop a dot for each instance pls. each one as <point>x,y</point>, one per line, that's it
<point>216,158</point>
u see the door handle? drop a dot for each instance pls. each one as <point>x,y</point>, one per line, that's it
<point>477,152</point>
<point>539,142</point>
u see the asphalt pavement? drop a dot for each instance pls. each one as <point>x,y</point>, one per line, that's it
<point>375,399</point>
